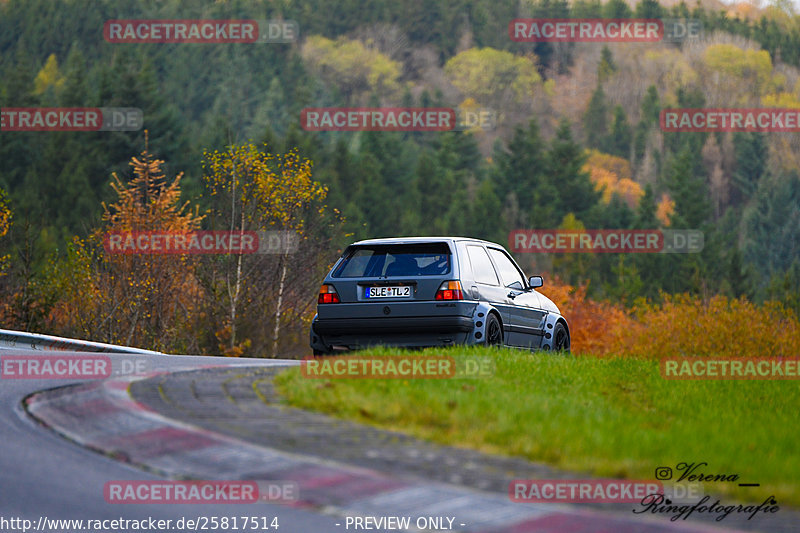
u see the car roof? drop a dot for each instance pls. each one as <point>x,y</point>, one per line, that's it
<point>410,240</point>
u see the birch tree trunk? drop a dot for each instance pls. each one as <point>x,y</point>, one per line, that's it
<point>275,333</point>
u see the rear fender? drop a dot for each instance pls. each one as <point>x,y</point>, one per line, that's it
<point>480,314</point>
<point>549,325</point>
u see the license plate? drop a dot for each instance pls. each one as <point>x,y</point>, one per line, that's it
<point>388,292</point>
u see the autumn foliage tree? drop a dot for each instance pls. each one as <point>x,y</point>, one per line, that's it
<point>159,291</point>
<point>356,68</point>
<point>495,77</point>
<point>612,175</point>
<point>135,299</point>
<point>680,325</point>
<point>5,224</point>
<point>261,303</point>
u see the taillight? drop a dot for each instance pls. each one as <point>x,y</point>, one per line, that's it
<point>328,295</point>
<point>450,290</point>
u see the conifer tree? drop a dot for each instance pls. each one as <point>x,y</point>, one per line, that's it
<point>595,120</point>
<point>619,140</point>
<point>751,164</point>
<point>565,174</point>
<point>689,191</point>
<point>519,167</point>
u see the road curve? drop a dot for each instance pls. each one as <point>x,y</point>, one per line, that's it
<point>45,475</point>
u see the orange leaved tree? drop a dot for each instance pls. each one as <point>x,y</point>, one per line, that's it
<point>135,299</point>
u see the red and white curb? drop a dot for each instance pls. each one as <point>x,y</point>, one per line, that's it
<point>102,416</point>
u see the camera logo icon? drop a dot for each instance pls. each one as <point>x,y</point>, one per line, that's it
<point>663,473</point>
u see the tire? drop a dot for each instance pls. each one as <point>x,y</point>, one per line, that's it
<point>318,353</point>
<point>560,338</point>
<point>494,332</point>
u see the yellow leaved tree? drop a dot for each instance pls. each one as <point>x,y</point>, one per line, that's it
<point>48,77</point>
<point>5,222</point>
<point>5,225</point>
<point>254,298</point>
<point>352,66</point>
<point>495,78</point>
<point>739,74</point>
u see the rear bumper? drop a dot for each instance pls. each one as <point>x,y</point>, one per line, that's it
<point>411,325</point>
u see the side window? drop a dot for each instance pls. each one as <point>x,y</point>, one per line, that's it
<point>508,272</point>
<point>465,265</point>
<point>481,266</point>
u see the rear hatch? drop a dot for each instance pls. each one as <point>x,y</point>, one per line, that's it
<point>396,275</point>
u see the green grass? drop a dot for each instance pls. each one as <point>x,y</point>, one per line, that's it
<point>605,417</point>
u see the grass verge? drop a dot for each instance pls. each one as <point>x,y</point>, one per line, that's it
<point>607,417</point>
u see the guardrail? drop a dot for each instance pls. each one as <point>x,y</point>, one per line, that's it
<point>22,340</point>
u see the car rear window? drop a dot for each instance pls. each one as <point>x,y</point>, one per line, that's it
<point>395,260</point>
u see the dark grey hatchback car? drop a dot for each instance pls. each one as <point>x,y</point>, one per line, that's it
<point>432,291</point>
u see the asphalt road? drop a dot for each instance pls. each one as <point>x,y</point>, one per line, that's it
<point>44,475</point>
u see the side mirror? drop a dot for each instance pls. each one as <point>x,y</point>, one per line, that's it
<point>535,281</point>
